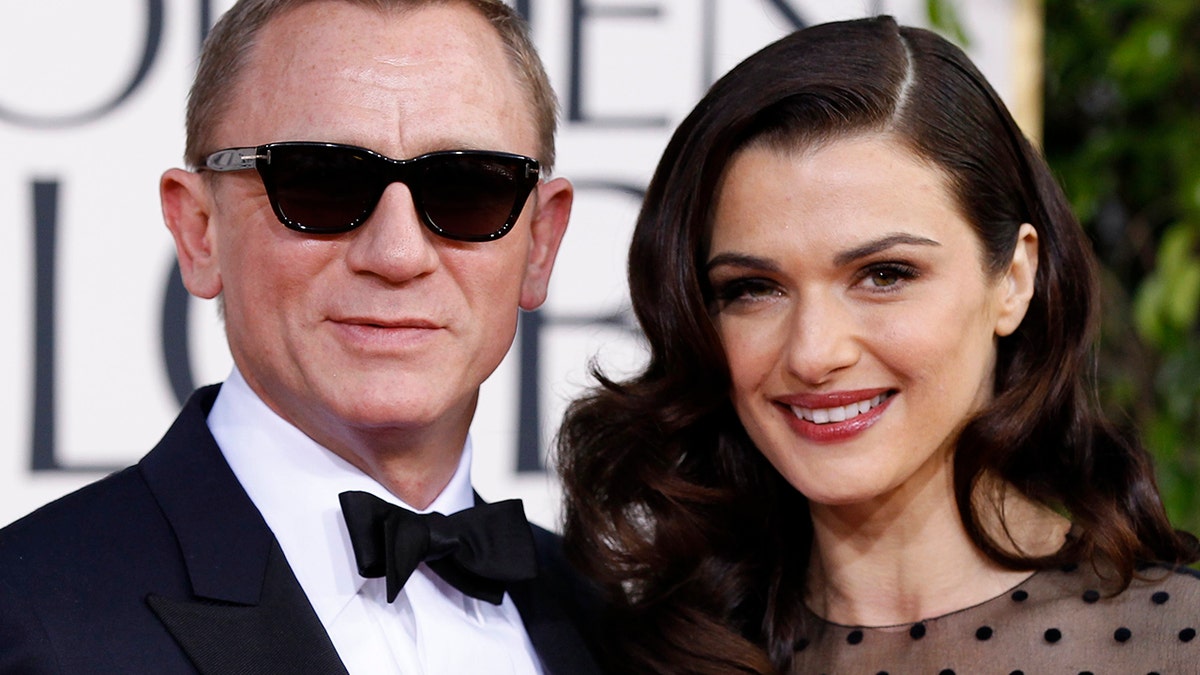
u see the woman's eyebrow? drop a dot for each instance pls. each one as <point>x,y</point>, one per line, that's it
<point>881,244</point>
<point>741,260</point>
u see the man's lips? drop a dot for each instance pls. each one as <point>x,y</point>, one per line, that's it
<point>377,322</point>
<point>387,334</point>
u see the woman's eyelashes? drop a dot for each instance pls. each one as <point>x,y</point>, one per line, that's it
<point>742,291</point>
<point>888,276</point>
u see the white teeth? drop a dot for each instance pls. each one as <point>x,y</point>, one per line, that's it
<point>839,414</point>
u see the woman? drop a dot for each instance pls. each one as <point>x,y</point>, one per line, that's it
<point>866,438</point>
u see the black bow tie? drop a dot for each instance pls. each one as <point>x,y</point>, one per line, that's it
<point>478,551</point>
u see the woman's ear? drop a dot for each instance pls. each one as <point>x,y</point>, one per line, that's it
<point>187,210</point>
<point>1016,286</point>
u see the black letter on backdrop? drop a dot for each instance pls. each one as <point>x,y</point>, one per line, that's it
<point>176,347</point>
<point>45,240</point>
<point>529,413</point>
<point>529,429</point>
<point>581,10</point>
<point>205,19</point>
<point>45,244</point>
<point>524,9</point>
<point>154,31</point>
<point>708,67</point>
<point>789,13</point>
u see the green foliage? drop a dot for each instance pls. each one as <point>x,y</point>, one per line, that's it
<point>943,17</point>
<point>1123,134</point>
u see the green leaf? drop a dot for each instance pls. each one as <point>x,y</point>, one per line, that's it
<point>943,17</point>
<point>1147,313</point>
<point>1185,297</point>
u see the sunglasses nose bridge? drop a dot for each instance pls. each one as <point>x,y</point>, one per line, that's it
<point>405,172</point>
<point>391,171</point>
<point>385,173</point>
<point>398,171</point>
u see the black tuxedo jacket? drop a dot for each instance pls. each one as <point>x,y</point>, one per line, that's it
<point>168,567</point>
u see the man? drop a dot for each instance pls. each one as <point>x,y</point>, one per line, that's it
<point>365,301</point>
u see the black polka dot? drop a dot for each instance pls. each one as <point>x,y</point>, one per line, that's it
<point>1086,672</point>
<point>1020,596</point>
<point>917,631</point>
<point>946,671</point>
<point>983,633</point>
<point>855,637</point>
<point>801,644</point>
<point>1052,635</point>
<point>882,672</point>
<point>1070,567</point>
<point>1187,635</point>
<point>1122,634</point>
<point>1090,596</point>
<point>1160,597</point>
<point>1154,672</point>
<point>1017,672</point>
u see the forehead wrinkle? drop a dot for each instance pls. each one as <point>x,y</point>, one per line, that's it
<point>402,84</point>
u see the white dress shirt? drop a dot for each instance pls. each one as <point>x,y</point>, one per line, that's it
<point>431,628</point>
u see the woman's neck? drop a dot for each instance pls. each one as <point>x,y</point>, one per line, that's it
<point>909,557</point>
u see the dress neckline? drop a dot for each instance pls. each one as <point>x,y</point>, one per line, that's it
<point>895,627</point>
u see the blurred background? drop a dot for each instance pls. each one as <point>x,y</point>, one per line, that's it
<point>1122,132</point>
<point>1120,128</point>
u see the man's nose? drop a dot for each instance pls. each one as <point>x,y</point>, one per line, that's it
<point>393,243</point>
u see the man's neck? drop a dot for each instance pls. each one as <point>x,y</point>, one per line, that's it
<point>414,463</point>
<point>414,471</point>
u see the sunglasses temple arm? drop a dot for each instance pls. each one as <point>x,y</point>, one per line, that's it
<point>233,159</point>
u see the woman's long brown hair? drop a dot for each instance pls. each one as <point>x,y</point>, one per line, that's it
<point>701,547</point>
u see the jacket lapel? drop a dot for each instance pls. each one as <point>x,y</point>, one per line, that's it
<point>558,610</point>
<point>280,634</point>
<point>559,644</point>
<point>248,613</point>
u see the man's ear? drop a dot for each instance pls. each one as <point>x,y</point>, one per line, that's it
<point>1016,286</point>
<point>549,223</point>
<point>187,209</point>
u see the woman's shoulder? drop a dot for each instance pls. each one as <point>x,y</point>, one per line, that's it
<point>1152,621</point>
<point>1070,619</point>
<point>1154,587</point>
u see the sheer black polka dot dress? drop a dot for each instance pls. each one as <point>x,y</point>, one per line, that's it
<point>1056,621</point>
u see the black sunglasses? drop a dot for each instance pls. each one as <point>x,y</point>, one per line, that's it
<point>326,188</point>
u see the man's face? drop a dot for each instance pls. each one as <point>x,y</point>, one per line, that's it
<point>382,335</point>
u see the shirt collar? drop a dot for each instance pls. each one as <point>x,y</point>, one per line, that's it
<point>295,483</point>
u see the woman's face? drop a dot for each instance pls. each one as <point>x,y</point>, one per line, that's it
<point>858,318</point>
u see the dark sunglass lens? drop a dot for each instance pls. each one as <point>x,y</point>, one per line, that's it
<point>322,189</point>
<point>472,196</point>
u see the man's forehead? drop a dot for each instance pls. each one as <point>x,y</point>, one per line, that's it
<point>336,71</point>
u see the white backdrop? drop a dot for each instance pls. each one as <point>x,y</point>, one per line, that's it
<point>91,112</point>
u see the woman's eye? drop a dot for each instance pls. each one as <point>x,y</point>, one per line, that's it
<point>884,278</point>
<point>742,291</point>
<point>888,275</point>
